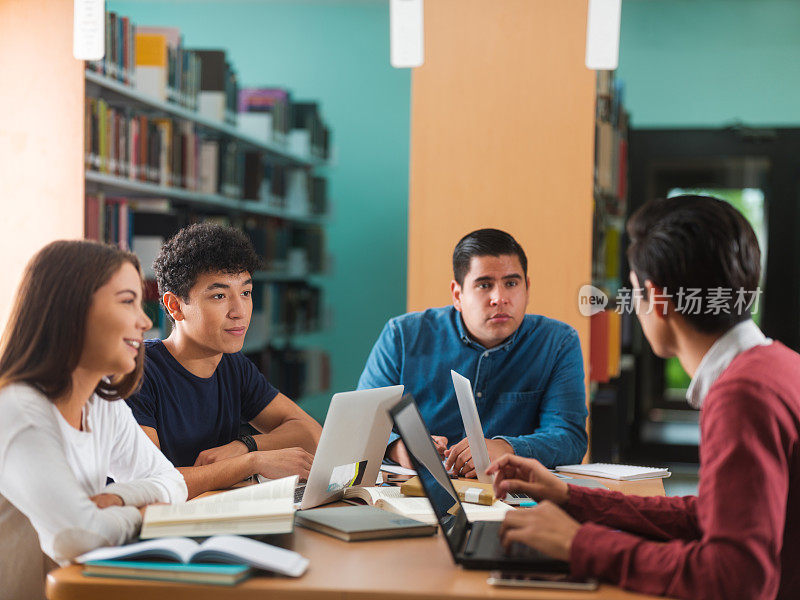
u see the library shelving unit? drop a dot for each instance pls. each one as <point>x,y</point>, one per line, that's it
<point>610,372</point>
<point>143,182</point>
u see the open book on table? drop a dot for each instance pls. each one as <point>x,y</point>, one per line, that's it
<point>264,508</point>
<point>392,499</point>
<point>223,548</point>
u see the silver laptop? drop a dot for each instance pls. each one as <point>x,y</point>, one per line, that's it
<point>472,425</point>
<point>472,545</point>
<point>352,444</point>
<point>477,442</point>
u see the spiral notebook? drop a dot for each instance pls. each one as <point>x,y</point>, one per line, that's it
<point>619,472</point>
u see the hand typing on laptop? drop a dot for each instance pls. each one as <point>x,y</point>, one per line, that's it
<point>398,453</point>
<point>459,456</point>
<point>545,527</point>
<point>517,474</point>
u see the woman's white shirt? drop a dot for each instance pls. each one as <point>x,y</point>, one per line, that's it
<point>49,470</point>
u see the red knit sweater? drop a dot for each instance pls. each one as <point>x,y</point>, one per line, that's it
<point>740,536</point>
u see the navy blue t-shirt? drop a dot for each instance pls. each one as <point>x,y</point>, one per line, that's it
<point>191,413</point>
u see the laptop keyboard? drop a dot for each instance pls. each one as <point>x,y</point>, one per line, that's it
<point>484,535</point>
<point>298,493</point>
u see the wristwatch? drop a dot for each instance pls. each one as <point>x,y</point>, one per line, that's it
<point>249,441</point>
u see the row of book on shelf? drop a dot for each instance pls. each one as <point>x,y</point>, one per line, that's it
<point>155,61</point>
<point>172,153</point>
<point>284,246</point>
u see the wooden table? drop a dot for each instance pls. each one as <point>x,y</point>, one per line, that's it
<point>418,568</point>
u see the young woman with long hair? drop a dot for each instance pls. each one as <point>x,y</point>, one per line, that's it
<point>71,350</point>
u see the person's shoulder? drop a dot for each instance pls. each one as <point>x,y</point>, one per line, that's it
<point>540,326</point>
<point>235,365</point>
<point>154,348</point>
<point>764,373</point>
<point>435,317</point>
<point>104,411</point>
<point>156,363</point>
<point>22,403</point>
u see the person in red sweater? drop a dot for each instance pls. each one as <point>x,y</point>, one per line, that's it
<point>740,536</point>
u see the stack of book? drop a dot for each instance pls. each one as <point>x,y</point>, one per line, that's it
<point>165,69</point>
<point>182,559</point>
<point>219,88</point>
<point>265,113</point>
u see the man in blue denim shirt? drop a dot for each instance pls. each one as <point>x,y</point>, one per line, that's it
<point>526,370</point>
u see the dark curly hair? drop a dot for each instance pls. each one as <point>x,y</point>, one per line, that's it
<point>198,249</point>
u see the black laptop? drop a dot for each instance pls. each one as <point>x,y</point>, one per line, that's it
<point>473,545</point>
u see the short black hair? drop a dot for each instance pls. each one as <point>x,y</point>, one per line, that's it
<point>198,249</point>
<point>697,242</point>
<point>485,242</point>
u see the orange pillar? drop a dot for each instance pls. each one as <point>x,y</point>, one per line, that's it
<point>502,135</point>
<point>41,135</point>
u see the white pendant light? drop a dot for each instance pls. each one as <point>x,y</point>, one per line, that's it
<point>602,34</point>
<point>88,29</point>
<point>406,33</point>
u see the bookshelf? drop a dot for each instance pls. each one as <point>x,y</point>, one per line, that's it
<point>608,225</point>
<point>611,374</point>
<point>158,159</point>
<point>115,91</point>
<point>119,186</point>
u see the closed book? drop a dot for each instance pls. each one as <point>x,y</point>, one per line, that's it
<point>160,571</point>
<point>355,523</point>
<point>151,64</point>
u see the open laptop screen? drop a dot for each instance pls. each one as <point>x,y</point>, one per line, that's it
<point>435,481</point>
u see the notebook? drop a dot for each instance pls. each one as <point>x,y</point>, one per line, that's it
<point>611,471</point>
<point>354,523</point>
<point>161,571</point>
<point>221,548</point>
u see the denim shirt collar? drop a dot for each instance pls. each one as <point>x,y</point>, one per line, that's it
<point>463,334</point>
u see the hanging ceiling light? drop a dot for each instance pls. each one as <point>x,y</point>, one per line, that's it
<point>602,34</point>
<point>88,29</point>
<point>406,33</point>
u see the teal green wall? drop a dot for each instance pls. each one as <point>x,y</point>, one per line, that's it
<point>696,63</point>
<point>338,53</point>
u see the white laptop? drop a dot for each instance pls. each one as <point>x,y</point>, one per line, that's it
<point>477,442</point>
<point>472,425</point>
<point>352,444</point>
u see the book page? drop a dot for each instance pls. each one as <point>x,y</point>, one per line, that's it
<point>173,548</point>
<point>254,553</point>
<point>373,494</point>
<point>413,508</point>
<point>420,509</point>
<point>210,511</point>
<point>276,488</point>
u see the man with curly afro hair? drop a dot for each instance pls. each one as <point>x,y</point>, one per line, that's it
<point>198,387</point>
